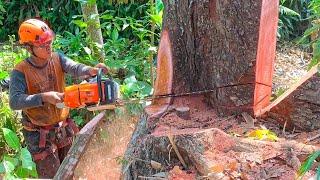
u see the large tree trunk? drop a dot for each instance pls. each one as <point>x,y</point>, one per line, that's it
<point>91,16</point>
<point>228,45</point>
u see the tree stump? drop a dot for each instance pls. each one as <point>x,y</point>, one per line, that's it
<point>211,152</point>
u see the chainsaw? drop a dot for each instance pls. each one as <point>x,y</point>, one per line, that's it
<point>101,93</point>
<point>98,91</point>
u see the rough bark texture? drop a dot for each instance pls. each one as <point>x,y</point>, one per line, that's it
<point>299,107</point>
<point>214,45</point>
<point>90,10</point>
<point>79,144</point>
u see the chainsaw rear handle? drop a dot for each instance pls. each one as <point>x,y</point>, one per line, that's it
<point>99,75</point>
<point>99,82</point>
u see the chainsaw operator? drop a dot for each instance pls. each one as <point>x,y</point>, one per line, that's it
<point>36,86</point>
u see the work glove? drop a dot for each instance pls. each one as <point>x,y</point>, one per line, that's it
<point>52,97</point>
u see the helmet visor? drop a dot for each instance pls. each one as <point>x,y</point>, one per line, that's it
<point>45,37</point>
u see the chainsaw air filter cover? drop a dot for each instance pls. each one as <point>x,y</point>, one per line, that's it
<point>111,91</point>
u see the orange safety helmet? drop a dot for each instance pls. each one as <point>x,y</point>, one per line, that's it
<point>35,32</point>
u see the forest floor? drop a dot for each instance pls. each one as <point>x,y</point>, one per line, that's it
<point>102,159</point>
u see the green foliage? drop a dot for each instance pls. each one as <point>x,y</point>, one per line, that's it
<point>58,13</point>
<point>127,44</point>
<point>10,55</point>
<point>306,166</point>
<point>287,19</point>
<point>311,35</point>
<point>293,18</point>
<point>19,163</point>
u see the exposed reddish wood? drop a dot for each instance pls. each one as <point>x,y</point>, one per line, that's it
<point>212,151</point>
<point>299,106</point>
<point>79,144</point>
<point>163,82</point>
<point>265,54</point>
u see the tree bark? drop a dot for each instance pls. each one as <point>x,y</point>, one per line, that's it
<point>222,44</point>
<point>91,16</point>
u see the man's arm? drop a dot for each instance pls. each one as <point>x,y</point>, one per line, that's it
<point>19,99</point>
<point>73,68</point>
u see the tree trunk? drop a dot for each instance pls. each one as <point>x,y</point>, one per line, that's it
<point>228,45</point>
<point>91,16</point>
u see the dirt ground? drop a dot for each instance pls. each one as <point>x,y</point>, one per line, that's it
<point>291,63</point>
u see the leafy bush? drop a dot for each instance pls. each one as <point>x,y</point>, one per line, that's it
<point>19,162</point>
<point>293,18</point>
<point>287,19</point>
<point>58,13</point>
<point>127,44</point>
<point>311,35</point>
<point>15,160</point>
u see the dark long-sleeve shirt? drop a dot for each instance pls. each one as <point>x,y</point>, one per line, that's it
<point>19,99</point>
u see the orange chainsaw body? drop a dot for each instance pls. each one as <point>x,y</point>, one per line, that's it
<point>81,94</point>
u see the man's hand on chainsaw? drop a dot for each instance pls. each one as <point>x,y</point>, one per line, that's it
<point>52,97</point>
<point>93,71</point>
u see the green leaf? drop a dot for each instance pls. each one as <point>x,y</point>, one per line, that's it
<point>22,172</point>
<point>3,74</point>
<point>10,176</point>
<point>11,139</point>
<point>26,159</point>
<point>308,163</point>
<point>114,34</point>
<point>145,89</point>
<point>159,5</point>
<point>80,23</point>
<point>14,161</point>
<point>87,50</point>
<point>130,79</point>
<point>107,16</point>
<point>2,168</point>
<point>8,166</point>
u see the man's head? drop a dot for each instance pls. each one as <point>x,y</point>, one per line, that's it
<point>37,37</point>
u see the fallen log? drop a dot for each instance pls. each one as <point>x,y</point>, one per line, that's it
<point>79,144</point>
